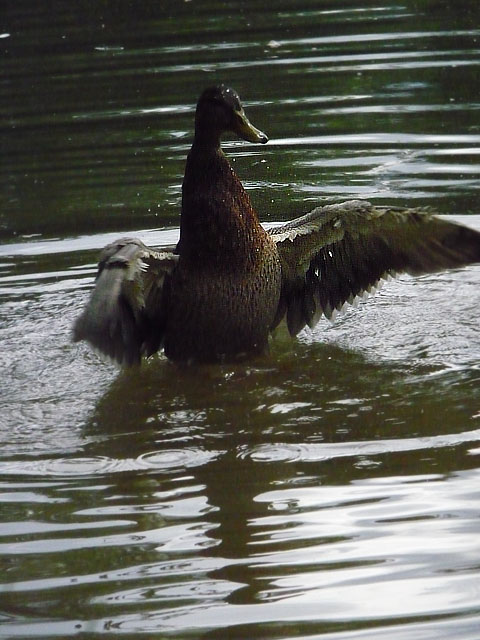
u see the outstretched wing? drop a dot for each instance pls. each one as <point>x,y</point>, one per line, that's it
<point>125,315</point>
<point>337,252</point>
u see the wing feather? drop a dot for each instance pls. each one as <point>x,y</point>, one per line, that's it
<point>124,317</point>
<point>336,253</point>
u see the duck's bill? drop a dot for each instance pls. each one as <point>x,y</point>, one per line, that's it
<point>245,129</point>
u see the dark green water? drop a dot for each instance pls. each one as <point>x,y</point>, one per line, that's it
<point>328,491</point>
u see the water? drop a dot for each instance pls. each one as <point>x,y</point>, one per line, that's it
<point>328,490</point>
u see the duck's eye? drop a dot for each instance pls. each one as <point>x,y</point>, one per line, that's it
<point>232,99</point>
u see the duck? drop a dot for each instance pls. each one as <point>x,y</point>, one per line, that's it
<point>229,282</point>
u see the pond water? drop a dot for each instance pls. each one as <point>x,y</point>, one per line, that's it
<point>329,490</point>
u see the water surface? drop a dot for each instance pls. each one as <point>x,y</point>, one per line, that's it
<point>328,490</point>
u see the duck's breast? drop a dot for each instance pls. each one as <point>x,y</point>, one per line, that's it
<point>216,314</point>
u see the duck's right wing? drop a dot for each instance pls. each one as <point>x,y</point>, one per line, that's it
<point>125,315</point>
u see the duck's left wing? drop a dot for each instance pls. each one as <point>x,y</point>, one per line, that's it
<point>337,252</point>
<point>125,315</point>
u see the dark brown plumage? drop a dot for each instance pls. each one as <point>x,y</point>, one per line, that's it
<point>229,282</point>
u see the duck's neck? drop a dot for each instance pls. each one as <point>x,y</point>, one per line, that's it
<point>218,224</point>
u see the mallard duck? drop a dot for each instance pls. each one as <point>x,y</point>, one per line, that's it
<point>229,282</point>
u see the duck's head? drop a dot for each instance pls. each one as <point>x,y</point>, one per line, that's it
<point>219,110</point>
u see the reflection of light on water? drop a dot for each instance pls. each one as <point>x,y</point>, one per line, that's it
<point>151,237</point>
<point>168,459</point>
<point>317,452</point>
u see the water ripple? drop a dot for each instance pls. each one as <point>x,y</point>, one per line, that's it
<point>167,460</point>
<point>318,452</point>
